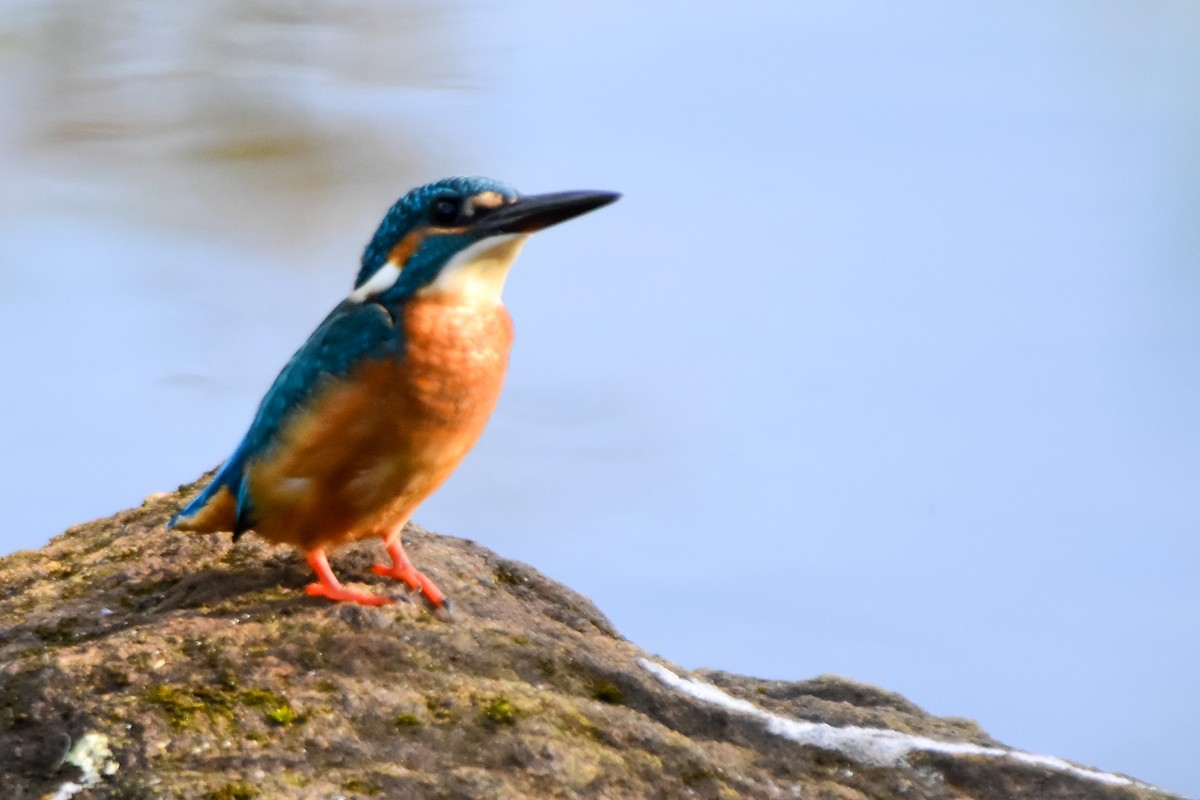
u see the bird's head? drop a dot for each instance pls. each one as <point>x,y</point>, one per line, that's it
<point>459,235</point>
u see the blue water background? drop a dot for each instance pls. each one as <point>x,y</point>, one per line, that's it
<point>886,365</point>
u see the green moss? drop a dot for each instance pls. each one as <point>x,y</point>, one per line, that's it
<point>234,791</point>
<point>362,787</point>
<point>607,692</point>
<point>217,701</point>
<point>281,715</point>
<point>260,698</point>
<point>275,707</point>
<point>442,709</point>
<point>406,720</point>
<point>501,711</point>
<point>183,703</point>
<point>295,779</point>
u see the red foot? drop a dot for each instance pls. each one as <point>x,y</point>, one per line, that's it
<point>330,587</point>
<point>403,571</point>
<point>344,595</point>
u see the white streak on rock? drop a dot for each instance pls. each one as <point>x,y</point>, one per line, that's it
<point>875,746</point>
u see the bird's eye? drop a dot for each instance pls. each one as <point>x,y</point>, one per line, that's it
<point>445,210</point>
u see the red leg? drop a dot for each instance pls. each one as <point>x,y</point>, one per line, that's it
<point>330,587</point>
<point>403,570</point>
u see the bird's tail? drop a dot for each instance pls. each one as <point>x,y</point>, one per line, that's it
<point>216,508</point>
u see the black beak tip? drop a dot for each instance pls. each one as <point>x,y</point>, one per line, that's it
<point>535,212</point>
<point>602,199</point>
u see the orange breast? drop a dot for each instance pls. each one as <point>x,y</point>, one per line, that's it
<point>370,447</point>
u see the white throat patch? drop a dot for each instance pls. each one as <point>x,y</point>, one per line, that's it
<point>479,271</point>
<point>384,278</point>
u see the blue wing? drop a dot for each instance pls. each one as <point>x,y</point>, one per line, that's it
<point>351,332</point>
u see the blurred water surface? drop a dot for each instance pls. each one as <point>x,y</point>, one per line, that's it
<point>886,365</point>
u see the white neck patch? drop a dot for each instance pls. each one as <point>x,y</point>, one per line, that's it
<point>384,278</point>
<point>479,271</point>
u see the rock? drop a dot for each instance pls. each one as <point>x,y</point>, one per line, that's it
<point>137,662</point>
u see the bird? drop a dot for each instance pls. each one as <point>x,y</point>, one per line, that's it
<point>389,393</point>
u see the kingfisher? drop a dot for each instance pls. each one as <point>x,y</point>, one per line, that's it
<point>391,390</point>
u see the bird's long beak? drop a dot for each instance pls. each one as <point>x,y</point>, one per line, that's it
<point>529,214</point>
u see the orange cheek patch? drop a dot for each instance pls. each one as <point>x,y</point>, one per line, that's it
<point>404,249</point>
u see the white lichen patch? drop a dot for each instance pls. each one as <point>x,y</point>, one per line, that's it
<point>95,761</point>
<point>874,746</point>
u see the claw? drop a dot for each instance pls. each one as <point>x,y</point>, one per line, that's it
<point>416,580</point>
<point>403,570</point>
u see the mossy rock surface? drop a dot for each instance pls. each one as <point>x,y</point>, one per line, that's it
<point>196,668</point>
